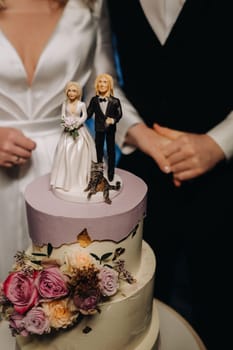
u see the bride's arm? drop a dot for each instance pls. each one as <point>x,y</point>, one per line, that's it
<point>83,115</point>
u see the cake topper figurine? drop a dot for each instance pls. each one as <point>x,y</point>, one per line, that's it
<point>107,112</point>
<point>75,149</point>
<point>76,175</point>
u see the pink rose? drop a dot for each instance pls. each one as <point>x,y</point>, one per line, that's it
<point>108,281</point>
<point>36,322</point>
<point>20,289</point>
<point>51,283</point>
<point>17,324</point>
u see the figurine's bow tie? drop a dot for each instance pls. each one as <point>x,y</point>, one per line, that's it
<point>102,99</point>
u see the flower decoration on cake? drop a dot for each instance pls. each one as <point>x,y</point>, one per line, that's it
<point>43,294</point>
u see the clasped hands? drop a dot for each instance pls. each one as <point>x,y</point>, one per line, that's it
<point>188,155</point>
<point>185,155</point>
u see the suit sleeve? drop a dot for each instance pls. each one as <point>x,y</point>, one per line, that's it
<point>90,109</point>
<point>119,111</point>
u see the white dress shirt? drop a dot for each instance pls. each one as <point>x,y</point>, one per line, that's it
<point>162,15</point>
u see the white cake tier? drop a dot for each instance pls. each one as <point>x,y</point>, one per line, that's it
<point>125,322</point>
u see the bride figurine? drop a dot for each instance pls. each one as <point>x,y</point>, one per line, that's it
<point>75,149</point>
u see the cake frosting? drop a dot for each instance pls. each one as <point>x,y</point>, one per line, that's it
<point>128,318</point>
<point>124,322</point>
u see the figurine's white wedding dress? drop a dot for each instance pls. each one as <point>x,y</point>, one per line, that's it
<point>72,162</point>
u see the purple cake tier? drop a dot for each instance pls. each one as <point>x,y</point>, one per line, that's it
<point>53,220</point>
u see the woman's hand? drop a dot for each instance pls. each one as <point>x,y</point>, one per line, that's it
<point>189,155</point>
<point>15,147</point>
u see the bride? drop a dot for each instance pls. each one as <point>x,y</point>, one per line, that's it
<point>75,149</point>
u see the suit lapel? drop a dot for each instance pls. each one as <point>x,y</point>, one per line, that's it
<point>109,106</point>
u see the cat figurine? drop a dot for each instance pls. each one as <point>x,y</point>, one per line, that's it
<point>99,183</point>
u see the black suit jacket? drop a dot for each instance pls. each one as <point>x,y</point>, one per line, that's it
<point>113,110</point>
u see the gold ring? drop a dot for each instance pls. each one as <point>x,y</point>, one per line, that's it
<point>17,159</point>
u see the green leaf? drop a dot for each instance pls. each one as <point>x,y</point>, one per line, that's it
<point>120,251</point>
<point>110,266</point>
<point>134,230</point>
<point>87,329</point>
<point>36,262</point>
<point>105,256</point>
<point>49,249</point>
<point>95,256</point>
<point>39,254</point>
<point>74,133</point>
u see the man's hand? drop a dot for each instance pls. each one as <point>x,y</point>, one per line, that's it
<point>109,121</point>
<point>189,155</point>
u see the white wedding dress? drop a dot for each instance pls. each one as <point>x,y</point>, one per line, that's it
<point>72,161</point>
<point>79,49</point>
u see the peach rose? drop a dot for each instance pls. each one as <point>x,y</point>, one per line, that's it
<point>60,313</point>
<point>79,259</point>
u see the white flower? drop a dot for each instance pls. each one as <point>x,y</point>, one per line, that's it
<point>70,123</point>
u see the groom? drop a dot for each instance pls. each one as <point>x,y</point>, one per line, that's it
<point>107,112</point>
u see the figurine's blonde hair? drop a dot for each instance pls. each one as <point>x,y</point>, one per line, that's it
<point>88,3</point>
<point>76,85</point>
<point>110,83</point>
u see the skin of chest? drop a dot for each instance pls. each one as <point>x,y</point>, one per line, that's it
<point>28,25</point>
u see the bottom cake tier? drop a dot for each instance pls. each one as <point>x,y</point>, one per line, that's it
<point>129,321</point>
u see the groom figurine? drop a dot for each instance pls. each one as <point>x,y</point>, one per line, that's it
<point>107,112</point>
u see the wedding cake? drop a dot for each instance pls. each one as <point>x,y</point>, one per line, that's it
<point>94,242</point>
<point>87,280</point>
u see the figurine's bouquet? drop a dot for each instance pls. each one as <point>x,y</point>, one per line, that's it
<point>42,294</point>
<point>71,124</point>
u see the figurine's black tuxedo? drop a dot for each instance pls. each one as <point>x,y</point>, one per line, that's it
<point>103,131</point>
